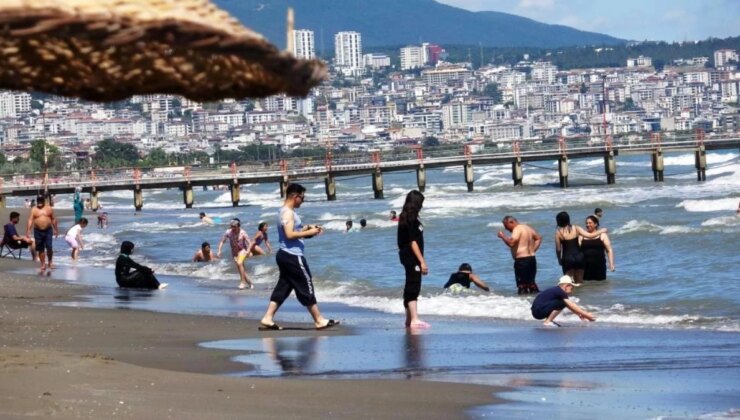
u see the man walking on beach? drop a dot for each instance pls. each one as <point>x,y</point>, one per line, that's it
<point>548,304</point>
<point>523,242</point>
<point>294,271</point>
<point>44,225</point>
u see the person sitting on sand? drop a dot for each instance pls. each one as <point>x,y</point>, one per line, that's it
<point>205,219</point>
<point>550,302</point>
<point>259,237</point>
<point>74,238</point>
<point>129,274</point>
<point>462,279</point>
<point>204,254</point>
<point>13,240</point>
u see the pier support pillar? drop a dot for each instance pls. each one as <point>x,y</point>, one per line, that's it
<point>658,167</point>
<point>2,202</point>
<point>188,197</point>
<point>283,186</point>
<point>700,162</point>
<point>235,193</point>
<point>331,187</point>
<point>138,198</point>
<point>516,171</point>
<point>94,204</point>
<point>378,184</point>
<point>469,175</point>
<point>563,171</point>
<point>421,178</point>
<point>610,168</point>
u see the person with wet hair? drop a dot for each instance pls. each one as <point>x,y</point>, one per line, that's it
<point>130,274</point>
<point>463,278</point>
<point>410,240</point>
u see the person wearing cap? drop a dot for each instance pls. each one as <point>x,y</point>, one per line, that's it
<point>462,279</point>
<point>240,245</point>
<point>550,302</point>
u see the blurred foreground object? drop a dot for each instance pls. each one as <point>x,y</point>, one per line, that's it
<point>109,50</point>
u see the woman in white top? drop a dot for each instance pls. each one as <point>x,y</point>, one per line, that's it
<point>74,238</point>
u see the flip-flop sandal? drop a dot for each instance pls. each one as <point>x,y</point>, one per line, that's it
<point>273,327</point>
<point>331,323</point>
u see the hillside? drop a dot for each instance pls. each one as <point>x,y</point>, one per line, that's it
<point>394,22</point>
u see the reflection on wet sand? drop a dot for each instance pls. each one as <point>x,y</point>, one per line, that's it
<point>295,357</point>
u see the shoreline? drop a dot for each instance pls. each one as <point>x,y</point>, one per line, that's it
<point>71,361</point>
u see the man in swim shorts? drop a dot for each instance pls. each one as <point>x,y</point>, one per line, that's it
<point>523,243</point>
<point>240,245</point>
<point>44,225</point>
<point>548,304</point>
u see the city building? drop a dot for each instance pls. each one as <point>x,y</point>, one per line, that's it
<point>303,44</point>
<point>348,53</point>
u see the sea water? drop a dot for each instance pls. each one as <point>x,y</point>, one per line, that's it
<point>676,243</point>
<point>669,314</point>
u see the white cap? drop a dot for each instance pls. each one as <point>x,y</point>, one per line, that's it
<point>567,280</point>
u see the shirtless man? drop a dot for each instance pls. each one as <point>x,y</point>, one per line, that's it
<point>204,254</point>
<point>523,242</point>
<point>41,219</point>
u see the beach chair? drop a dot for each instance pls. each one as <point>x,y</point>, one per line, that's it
<point>8,251</point>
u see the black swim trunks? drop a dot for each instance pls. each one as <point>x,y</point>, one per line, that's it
<point>525,271</point>
<point>43,239</point>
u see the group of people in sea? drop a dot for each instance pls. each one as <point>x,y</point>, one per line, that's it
<point>582,254</point>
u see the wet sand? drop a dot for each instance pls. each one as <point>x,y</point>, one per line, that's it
<point>75,362</point>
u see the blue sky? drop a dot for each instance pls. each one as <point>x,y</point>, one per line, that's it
<point>658,20</point>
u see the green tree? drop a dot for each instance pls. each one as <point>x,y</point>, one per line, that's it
<point>3,160</point>
<point>431,141</point>
<point>110,154</point>
<point>492,91</point>
<point>40,148</point>
<point>156,157</point>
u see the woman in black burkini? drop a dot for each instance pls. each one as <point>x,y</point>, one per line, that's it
<point>133,275</point>
<point>411,253</point>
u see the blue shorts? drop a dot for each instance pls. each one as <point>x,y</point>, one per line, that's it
<point>43,239</point>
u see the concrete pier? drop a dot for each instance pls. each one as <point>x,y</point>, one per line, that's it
<point>138,198</point>
<point>378,184</point>
<point>421,178</point>
<point>2,202</point>
<point>188,197</point>
<point>658,166</point>
<point>700,162</point>
<point>330,185</point>
<point>235,193</point>
<point>517,175</point>
<point>563,171</point>
<point>469,175</point>
<point>610,168</point>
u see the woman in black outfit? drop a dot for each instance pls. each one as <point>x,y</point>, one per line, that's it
<point>133,275</point>
<point>411,253</point>
<point>593,252</point>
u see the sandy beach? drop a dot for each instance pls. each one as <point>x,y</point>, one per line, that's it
<point>73,362</point>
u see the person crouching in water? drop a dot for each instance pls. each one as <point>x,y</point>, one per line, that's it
<point>462,279</point>
<point>549,303</point>
<point>74,238</point>
<point>132,275</point>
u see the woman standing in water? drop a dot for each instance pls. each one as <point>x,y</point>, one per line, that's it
<point>411,253</point>
<point>593,252</point>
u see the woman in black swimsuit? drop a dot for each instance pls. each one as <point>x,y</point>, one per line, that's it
<point>593,252</point>
<point>567,247</point>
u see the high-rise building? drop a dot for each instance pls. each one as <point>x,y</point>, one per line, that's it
<point>303,44</point>
<point>412,57</point>
<point>722,57</point>
<point>348,52</point>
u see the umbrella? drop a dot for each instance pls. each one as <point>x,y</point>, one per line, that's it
<point>108,50</point>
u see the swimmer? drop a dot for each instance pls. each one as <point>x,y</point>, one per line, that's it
<point>259,237</point>
<point>204,254</point>
<point>206,220</point>
<point>394,217</point>
<point>240,246</point>
<point>462,279</point>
